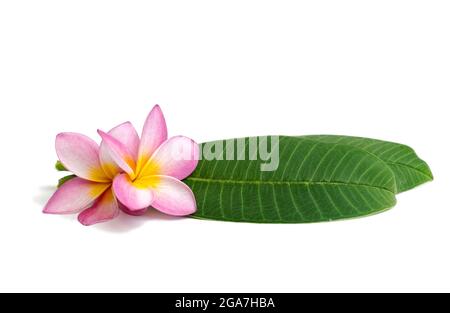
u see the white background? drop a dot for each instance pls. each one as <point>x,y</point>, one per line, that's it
<point>223,69</point>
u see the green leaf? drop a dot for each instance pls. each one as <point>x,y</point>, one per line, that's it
<point>314,182</point>
<point>409,170</point>
<point>60,167</point>
<point>65,179</point>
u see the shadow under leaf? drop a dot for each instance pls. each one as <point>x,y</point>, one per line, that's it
<point>43,195</point>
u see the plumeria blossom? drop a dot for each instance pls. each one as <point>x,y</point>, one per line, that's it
<point>125,172</point>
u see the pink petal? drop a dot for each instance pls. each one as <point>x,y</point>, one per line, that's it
<point>130,212</point>
<point>119,153</point>
<point>80,155</point>
<point>104,209</point>
<point>173,197</point>
<point>153,135</point>
<point>176,157</point>
<point>134,195</point>
<point>74,196</point>
<point>127,135</point>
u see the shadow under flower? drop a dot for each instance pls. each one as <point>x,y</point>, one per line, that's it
<point>122,224</point>
<point>125,223</point>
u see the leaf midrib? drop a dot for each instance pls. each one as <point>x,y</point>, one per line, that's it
<point>257,182</point>
<point>408,166</point>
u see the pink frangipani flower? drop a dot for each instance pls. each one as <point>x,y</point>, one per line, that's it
<point>125,173</point>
